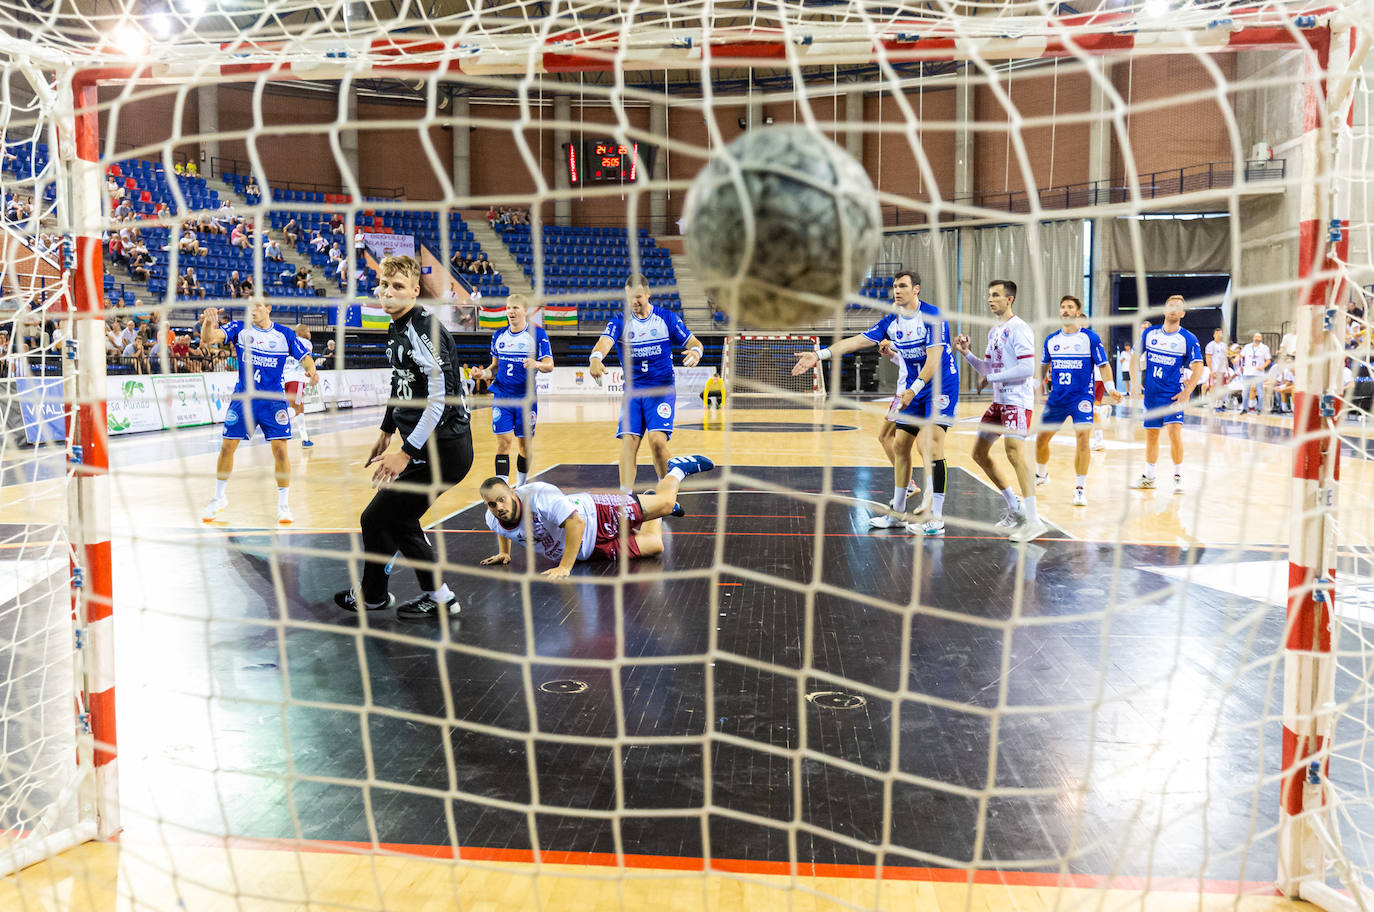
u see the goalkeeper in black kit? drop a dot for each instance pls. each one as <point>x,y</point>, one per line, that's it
<point>429,413</point>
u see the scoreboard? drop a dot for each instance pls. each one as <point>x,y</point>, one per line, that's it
<point>606,161</point>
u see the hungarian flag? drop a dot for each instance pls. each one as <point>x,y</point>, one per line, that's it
<point>493,317</point>
<point>560,315</point>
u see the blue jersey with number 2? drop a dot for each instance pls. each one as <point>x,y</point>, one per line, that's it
<point>510,349</point>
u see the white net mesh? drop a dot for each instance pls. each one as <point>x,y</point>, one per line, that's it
<point>784,706</point>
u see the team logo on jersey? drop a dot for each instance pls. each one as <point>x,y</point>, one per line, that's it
<point>899,334</point>
<point>665,410</point>
<point>495,414</point>
<point>231,417</point>
<point>1054,347</point>
<point>1085,406</point>
<point>281,416</point>
<point>944,403</point>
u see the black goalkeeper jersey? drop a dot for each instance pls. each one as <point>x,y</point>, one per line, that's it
<point>426,383</point>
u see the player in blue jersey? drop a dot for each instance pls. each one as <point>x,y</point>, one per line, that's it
<point>259,399</point>
<point>516,350</point>
<point>927,394</point>
<point>1070,361</point>
<point>1167,352</point>
<point>647,340</point>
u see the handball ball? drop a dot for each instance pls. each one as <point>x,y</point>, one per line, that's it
<point>782,225</point>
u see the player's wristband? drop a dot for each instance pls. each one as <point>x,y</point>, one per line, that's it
<point>1109,386</point>
<point>823,354</point>
<point>917,386</point>
<point>699,350</point>
<point>596,356</point>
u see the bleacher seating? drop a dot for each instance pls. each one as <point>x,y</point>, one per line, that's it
<point>879,287</point>
<point>579,260</point>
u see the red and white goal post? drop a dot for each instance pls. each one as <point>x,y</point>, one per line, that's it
<point>1328,36</point>
<point>761,364</point>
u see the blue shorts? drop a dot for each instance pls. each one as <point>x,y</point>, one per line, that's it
<point>1161,410</point>
<point>1056,413</point>
<point>271,415</point>
<point>506,419</point>
<point>645,412</point>
<point>925,409</point>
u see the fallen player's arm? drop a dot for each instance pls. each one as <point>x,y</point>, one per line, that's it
<point>573,527</point>
<point>502,556</point>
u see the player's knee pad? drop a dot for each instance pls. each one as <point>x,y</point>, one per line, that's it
<point>503,464</point>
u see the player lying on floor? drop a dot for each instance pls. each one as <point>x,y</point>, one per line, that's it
<point>590,523</point>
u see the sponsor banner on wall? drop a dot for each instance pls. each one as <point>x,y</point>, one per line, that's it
<point>577,381</point>
<point>131,405</point>
<point>382,245</point>
<point>40,408</point>
<point>183,398</point>
<point>219,389</point>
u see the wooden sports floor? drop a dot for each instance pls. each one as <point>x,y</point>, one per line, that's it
<point>1087,721</point>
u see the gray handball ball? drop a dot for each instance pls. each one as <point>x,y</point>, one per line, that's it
<point>782,226</point>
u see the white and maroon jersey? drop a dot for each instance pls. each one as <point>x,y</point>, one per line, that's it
<point>1008,344</point>
<point>546,508</point>
<point>294,372</point>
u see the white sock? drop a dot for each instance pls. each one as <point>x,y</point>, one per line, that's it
<point>220,488</point>
<point>1013,502</point>
<point>1042,469</point>
<point>442,594</point>
<point>1149,470</point>
<point>520,477</point>
<point>1028,507</point>
<point>899,499</point>
<point>675,472</point>
<point>1082,481</point>
<point>281,497</point>
<point>299,422</point>
<point>1178,470</point>
<point>937,504</point>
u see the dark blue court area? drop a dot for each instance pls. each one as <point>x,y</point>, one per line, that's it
<point>1029,726</point>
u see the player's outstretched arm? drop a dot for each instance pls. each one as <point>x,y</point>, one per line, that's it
<point>210,333</point>
<point>502,556</point>
<point>573,527</point>
<point>806,360</point>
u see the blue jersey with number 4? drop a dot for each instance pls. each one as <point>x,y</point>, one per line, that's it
<point>511,349</point>
<point>650,342</point>
<point>1072,358</point>
<point>263,354</point>
<point>1166,355</point>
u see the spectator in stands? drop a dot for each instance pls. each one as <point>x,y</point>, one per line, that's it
<point>179,169</point>
<point>303,278</point>
<point>335,254</point>
<point>198,355</point>
<point>238,236</point>
<point>341,272</point>
<point>162,211</point>
<point>457,262</point>
<point>7,158</point>
<point>252,192</point>
<point>139,261</point>
<point>319,242</point>
<point>8,359</point>
<point>482,266</point>
<point>181,353</point>
<point>1278,388</point>
<point>113,345</point>
<point>113,189</point>
<point>137,353</point>
<point>16,209</point>
<point>192,169</point>
<point>224,217</point>
<point>125,212</point>
<point>292,232</point>
<point>233,286</point>
<point>189,243</point>
<point>324,361</point>
<point>336,224</point>
<point>272,251</point>
<point>359,245</point>
<point>114,248</point>
<point>491,217</point>
<point>193,287</point>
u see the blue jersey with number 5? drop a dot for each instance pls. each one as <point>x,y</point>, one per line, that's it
<point>263,354</point>
<point>650,342</point>
<point>511,349</point>
<point>1072,358</point>
<point>1166,355</point>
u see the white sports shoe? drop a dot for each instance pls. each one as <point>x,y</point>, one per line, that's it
<point>1080,497</point>
<point>913,489</point>
<point>1010,519</point>
<point>933,526</point>
<point>1041,480</point>
<point>213,509</point>
<point>1029,530</point>
<point>284,515</point>
<point>885,521</point>
<point>1144,483</point>
<point>1097,443</point>
<point>1178,484</point>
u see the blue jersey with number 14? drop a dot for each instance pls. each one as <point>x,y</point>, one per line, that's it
<point>1072,359</point>
<point>1166,355</point>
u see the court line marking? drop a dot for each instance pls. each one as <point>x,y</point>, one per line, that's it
<point>980,876</point>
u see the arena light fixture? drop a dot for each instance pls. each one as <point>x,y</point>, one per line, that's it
<point>161,24</point>
<point>130,40</point>
<point>1157,9</point>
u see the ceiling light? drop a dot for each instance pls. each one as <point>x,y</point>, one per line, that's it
<point>161,24</point>
<point>130,40</point>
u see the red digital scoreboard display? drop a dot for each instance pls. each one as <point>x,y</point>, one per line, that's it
<point>605,161</point>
